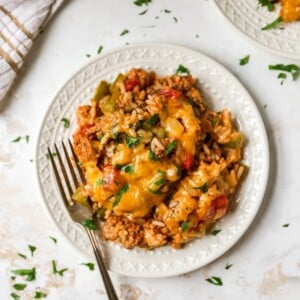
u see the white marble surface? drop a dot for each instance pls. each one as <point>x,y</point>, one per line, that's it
<point>266,261</point>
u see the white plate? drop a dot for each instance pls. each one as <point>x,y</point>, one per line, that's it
<point>220,89</point>
<point>249,18</point>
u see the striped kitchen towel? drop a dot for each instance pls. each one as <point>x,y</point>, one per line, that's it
<point>20,22</point>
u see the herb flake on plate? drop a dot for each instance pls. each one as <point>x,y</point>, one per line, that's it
<point>268,3</point>
<point>293,69</point>
<point>19,286</point>
<point>228,266</point>
<point>31,249</point>
<point>30,273</point>
<point>100,48</point>
<point>53,239</point>
<point>216,232</point>
<point>182,70</point>
<point>66,122</point>
<point>39,295</point>
<point>143,12</point>
<point>90,223</point>
<point>244,60</point>
<point>55,271</point>
<point>273,24</point>
<point>286,225</point>
<point>142,2</point>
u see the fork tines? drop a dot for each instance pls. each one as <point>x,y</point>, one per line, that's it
<point>68,173</point>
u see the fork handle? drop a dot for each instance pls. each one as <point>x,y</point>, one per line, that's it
<point>111,293</point>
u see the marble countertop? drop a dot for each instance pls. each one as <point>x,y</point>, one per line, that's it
<point>265,262</point>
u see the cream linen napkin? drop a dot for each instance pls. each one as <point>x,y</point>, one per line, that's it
<point>20,22</point>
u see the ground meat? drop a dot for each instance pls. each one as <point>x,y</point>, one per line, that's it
<point>120,229</point>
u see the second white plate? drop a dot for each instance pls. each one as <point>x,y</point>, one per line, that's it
<point>249,18</point>
<point>221,90</point>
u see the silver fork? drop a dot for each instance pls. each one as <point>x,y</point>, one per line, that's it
<point>79,212</point>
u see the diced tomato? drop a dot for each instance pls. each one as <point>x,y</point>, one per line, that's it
<point>131,83</point>
<point>170,93</point>
<point>111,179</point>
<point>220,205</point>
<point>187,161</point>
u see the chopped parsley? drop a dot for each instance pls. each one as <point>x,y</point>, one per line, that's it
<point>99,182</point>
<point>245,60</point>
<point>286,225</point>
<point>154,119</point>
<point>52,154</point>
<point>182,70</point>
<point>166,11</point>
<point>191,102</point>
<point>53,239</point>
<point>153,156</point>
<point>203,188</point>
<point>88,55</point>
<point>142,2</point>
<point>66,122</point>
<point>273,24</point>
<point>100,49</point>
<point>18,139</point>
<point>125,31</point>
<point>131,141</point>
<point>39,295</point>
<point>175,19</point>
<point>128,169</point>
<point>22,255</point>
<point>123,190</point>
<point>90,223</point>
<point>30,273</point>
<point>160,182</point>
<point>91,266</point>
<point>19,286</point>
<point>27,137</point>
<point>55,271</point>
<point>143,12</point>
<point>184,226</point>
<point>216,231</point>
<point>15,296</point>
<point>293,69</point>
<point>31,249</point>
<point>214,280</point>
<point>228,266</point>
<point>171,147</point>
<point>268,3</point>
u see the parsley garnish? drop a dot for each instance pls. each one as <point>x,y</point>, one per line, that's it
<point>53,239</point>
<point>184,226</point>
<point>131,141</point>
<point>160,182</point>
<point>286,225</point>
<point>27,137</point>
<point>88,55</point>
<point>293,69</point>
<point>214,280</point>
<point>30,273</point>
<point>31,249</point>
<point>128,169</point>
<point>66,122</point>
<point>99,182</point>
<point>123,190</point>
<point>171,147</point>
<point>167,11</point>
<point>245,60</point>
<point>18,139</point>
<point>153,156</point>
<point>89,223</point>
<point>55,271</point>
<point>273,24</point>
<point>203,188</point>
<point>175,19</point>
<point>191,102</point>
<point>22,255</point>
<point>99,49</point>
<point>143,12</point>
<point>182,70</point>
<point>19,286</point>
<point>125,31</point>
<point>154,119</point>
<point>91,266</point>
<point>39,295</point>
<point>267,3</point>
<point>15,296</point>
<point>216,231</point>
<point>228,266</point>
<point>52,154</point>
<point>142,2</point>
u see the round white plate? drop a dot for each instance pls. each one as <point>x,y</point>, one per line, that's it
<point>249,18</point>
<point>221,90</point>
